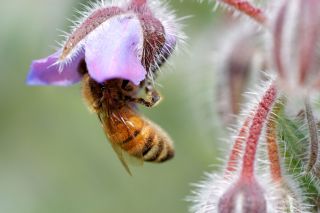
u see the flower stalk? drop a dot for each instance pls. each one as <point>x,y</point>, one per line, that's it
<point>237,149</point>
<point>313,136</point>
<point>139,2</point>
<point>247,195</point>
<point>247,8</point>
<point>258,121</point>
<point>272,145</point>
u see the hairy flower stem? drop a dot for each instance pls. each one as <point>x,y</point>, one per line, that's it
<point>138,2</point>
<point>246,194</point>
<point>278,40</point>
<point>237,148</point>
<point>313,135</point>
<point>255,129</point>
<point>248,9</point>
<point>273,150</point>
<point>308,44</point>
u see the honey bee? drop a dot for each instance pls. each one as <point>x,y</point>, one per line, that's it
<point>115,102</point>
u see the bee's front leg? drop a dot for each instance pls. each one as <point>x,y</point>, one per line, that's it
<point>152,98</point>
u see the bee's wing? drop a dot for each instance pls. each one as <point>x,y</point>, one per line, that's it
<point>120,153</point>
<point>123,156</point>
<point>126,159</point>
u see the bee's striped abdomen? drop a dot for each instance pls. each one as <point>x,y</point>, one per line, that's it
<point>147,141</point>
<point>155,151</point>
<point>158,146</point>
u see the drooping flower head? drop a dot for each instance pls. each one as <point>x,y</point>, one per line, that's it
<point>127,40</point>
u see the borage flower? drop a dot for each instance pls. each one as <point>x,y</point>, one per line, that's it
<point>129,41</point>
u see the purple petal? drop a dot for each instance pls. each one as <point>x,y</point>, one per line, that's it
<point>47,72</point>
<point>112,50</point>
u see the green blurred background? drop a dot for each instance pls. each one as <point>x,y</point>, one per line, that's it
<point>54,156</point>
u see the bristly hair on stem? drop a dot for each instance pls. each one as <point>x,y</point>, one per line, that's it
<point>139,2</point>
<point>255,129</point>
<point>272,144</point>
<point>248,9</point>
<point>313,136</point>
<point>246,194</point>
<point>237,148</point>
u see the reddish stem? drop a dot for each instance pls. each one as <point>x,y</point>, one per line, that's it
<point>316,82</point>
<point>307,44</point>
<point>248,9</point>
<point>313,135</point>
<point>273,150</point>
<point>138,3</point>
<point>277,41</point>
<point>255,129</point>
<point>237,148</point>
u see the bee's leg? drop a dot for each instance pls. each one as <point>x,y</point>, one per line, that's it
<point>152,98</point>
<point>126,86</point>
<point>152,95</point>
<point>99,116</point>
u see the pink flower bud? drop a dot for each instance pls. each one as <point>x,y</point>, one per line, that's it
<point>240,56</point>
<point>245,196</point>
<point>296,37</point>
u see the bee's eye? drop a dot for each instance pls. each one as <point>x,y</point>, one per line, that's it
<point>82,68</point>
<point>124,84</point>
